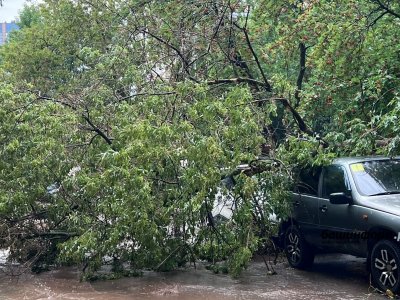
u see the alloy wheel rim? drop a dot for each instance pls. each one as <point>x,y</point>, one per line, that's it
<point>386,265</point>
<point>293,248</point>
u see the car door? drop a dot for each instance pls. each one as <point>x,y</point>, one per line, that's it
<point>338,222</point>
<point>305,204</point>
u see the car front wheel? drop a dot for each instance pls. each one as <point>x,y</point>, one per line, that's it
<point>384,264</point>
<point>298,252</point>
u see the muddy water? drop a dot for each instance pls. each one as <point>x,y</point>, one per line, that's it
<point>332,277</point>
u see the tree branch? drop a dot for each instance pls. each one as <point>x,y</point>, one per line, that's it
<point>387,9</point>
<point>97,130</point>
<point>85,117</point>
<point>302,71</point>
<point>377,19</point>
<point>255,56</point>
<point>298,119</point>
<point>235,81</point>
<point>177,51</point>
<point>216,31</point>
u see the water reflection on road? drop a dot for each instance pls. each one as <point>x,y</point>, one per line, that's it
<point>332,277</point>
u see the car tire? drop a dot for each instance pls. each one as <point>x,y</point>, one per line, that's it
<point>385,266</point>
<point>298,252</point>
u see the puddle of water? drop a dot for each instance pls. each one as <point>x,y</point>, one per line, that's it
<point>332,277</point>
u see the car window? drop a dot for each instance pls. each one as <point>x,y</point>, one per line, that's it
<point>308,182</point>
<point>334,181</point>
<point>377,177</point>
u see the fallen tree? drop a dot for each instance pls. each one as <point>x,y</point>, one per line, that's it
<point>116,134</point>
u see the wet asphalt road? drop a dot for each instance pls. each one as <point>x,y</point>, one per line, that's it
<point>332,277</point>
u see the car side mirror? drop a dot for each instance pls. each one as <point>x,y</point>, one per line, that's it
<point>339,198</point>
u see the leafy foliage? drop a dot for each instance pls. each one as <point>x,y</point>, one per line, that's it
<point>122,121</point>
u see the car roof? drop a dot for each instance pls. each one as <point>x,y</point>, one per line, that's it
<point>352,160</point>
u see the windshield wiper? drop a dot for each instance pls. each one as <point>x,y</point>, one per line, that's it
<point>386,193</point>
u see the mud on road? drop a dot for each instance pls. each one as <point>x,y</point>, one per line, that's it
<point>332,277</point>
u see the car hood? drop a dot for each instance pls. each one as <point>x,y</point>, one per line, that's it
<point>386,203</point>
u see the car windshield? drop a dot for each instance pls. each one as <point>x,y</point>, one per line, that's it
<point>380,177</point>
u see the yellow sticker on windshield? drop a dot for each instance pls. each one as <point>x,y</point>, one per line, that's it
<point>357,168</point>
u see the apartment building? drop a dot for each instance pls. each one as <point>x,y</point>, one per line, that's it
<point>6,28</point>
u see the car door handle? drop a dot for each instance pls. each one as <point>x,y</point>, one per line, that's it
<point>296,203</point>
<point>323,208</point>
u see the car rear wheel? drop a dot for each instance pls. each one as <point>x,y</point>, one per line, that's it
<point>384,265</point>
<point>299,253</point>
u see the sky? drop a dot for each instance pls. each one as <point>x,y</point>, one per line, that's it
<point>10,8</point>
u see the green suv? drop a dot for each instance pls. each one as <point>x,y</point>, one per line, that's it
<point>351,206</point>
